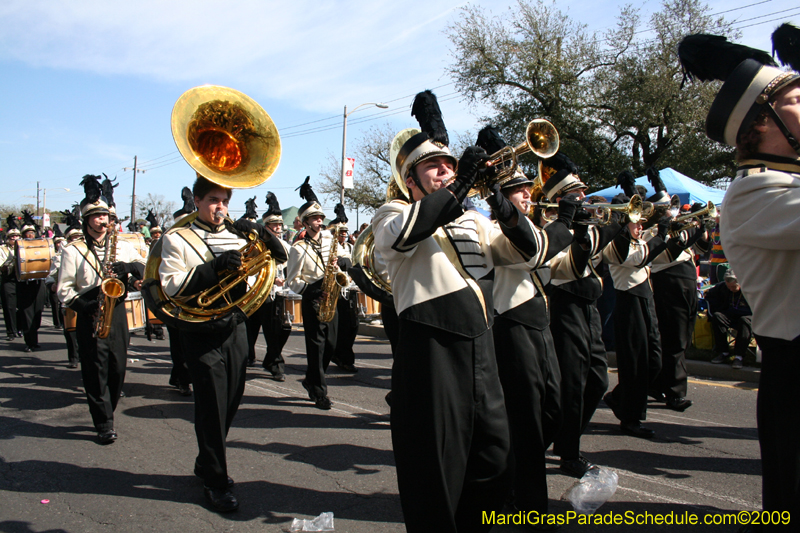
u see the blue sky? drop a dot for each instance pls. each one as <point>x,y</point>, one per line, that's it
<point>88,85</point>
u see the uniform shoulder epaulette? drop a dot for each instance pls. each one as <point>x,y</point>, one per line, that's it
<point>753,170</point>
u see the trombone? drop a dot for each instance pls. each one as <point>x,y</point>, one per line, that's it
<point>601,214</point>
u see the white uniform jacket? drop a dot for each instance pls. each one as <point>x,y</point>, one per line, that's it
<point>280,271</point>
<point>630,273</point>
<point>441,260</point>
<point>761,232</point>
<point>186,248</point>
<point>81,270</point>
<point>308,259</point>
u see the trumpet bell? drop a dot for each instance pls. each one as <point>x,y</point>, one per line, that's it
<point>225,136</point>
<point>542,138</point>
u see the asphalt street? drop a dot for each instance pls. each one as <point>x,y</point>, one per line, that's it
<point>290,459</point>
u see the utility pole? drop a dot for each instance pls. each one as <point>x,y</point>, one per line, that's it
<point>37,204</point>
<point>133,195</point>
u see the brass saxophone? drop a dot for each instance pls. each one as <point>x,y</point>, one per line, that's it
<point>332,283</point>
<point>111,287</point>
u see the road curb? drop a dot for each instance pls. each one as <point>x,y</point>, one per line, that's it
<point>701,369</point>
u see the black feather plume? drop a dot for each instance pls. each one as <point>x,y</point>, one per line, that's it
<point>627,181</point>
<point>786,44</point>
<point>341,215</point>
<point>426,110</point>
<point>76,213</point>
<point>250,208</point>
<point>131,226</point>
<point>489,139</point>
<point>655,180</point>
<point>306,192</point>
<point>70,219</point>
<point>11,222</point>
<point>273,207</point>
<point>91,188</point>
<point>151,218</point>
<point>57,231</point>
<point>713,57</point>
<point>27,218</point>
<point>107,187</point>
<point>188,200</point>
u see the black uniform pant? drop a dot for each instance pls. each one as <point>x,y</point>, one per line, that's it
<point>778,414</point>
<point>578,338</point>
<point>449,429</point>
<point>103,363</point>
<point>277,330</point>
<point>347,309</point>
<point>528,370</point>
<point>179,376</point>
<point>58,319</point>
<point>320,345</point>
<point>721,321</point>
<point>676,309</point>
<point>30,303</point>
<point>217,365</point>
<point>71,337</point>
<point>638,353</point>
<point>10,312</point>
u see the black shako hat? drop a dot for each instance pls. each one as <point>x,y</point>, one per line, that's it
<point>273,214</point>
<point>431,142</point>
<point>559,175</point>
<point>751,78</point>
<point>93,202</point>
<point>312,206</point>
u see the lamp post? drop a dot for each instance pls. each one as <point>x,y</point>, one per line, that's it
<point>344,140</point>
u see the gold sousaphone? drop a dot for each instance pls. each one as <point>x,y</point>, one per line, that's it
<point>227,138</point>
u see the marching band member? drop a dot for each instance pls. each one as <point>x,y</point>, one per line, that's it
<point>526,358</point>
<point>575,322</point>
<point>674,279</point>
<point>277,327</point>
<point>305,273</point>
<point>757,110</point>
<point>72,234</point>
<point>192,259</point>
<point>347,306</point>
<point>253,322</point>
<point>30,294</point>
<point>8,271</point>
<point>58,243</point>
<point>179,376</point>
<point>103,361</point>
<point>635,327</point>
<point>449,427</point>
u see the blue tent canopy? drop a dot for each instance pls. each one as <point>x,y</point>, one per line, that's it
<point>687,189</point>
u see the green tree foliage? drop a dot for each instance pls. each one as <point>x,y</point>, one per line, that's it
<point>617,98</point>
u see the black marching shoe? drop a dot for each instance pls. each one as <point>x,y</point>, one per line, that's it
<point>11,337</point>
<point>636,429</point>
<point>198,471</point>
<point>679,404</point>
<point>185,390</point>
<point>278,376</point>
<point>221,500</point>
<point>323,403</point>
<point>107,436</point>
<point>348,368</point>
<point>28,349</point>
<point>72,364</point>
<point>576,467</point>
<point>656,395</point>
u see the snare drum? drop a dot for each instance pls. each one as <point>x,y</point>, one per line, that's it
<point>136,311</point>
<point>34,258</point>
<point>70,320</point>
<point>137,240</point>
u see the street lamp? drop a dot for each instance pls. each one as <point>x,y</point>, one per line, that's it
<point>344,140</point>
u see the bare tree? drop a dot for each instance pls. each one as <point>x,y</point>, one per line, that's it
<point>161,208</point>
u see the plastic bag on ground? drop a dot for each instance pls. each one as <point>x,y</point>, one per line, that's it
<point>594,489</point>
<point>323,522</point>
